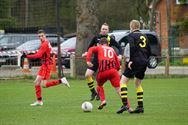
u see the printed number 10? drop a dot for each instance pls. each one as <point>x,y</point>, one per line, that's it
<point>108,53</point>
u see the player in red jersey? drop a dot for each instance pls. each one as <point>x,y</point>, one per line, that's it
<point>44,71</point>
<point>107,69</point>
<point>91,70</point>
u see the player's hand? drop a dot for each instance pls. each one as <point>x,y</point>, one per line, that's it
<point>84,54</point>
<point>120,57</point>
<point>90,64</point>
<point>129,65</point>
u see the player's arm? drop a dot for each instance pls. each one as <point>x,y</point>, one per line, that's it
<point>126,53</point>
<point>40,52</point>
<point>132,48</point>
<point>117,61</point>
<point>90,52</point>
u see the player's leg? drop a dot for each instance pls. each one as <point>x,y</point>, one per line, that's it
<point>46,74</point>
<point>88,75</point>
<point>63,80</point>
<point>101,79</point>
<point>43,74</point>
<point>90,83</point>
<point>139,90</point>
<point>100,90</point>
<point>123,93</point>
<point>115,80</point>
<point>38,91</point>
<point>140,95</point>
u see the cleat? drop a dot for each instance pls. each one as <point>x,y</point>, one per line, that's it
<point>37,103</point>
<point>138,110</point>
<point>93,94</point>
<point>65,82</point>
<point>102,105</point>
<point>97,97</point>
<point>122,109</point>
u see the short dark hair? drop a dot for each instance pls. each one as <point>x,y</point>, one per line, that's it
<point>103,41</point>
<point>41,31</point>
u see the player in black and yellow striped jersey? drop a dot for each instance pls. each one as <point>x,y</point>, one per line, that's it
<point>90,70</point>
<point>138,51</point>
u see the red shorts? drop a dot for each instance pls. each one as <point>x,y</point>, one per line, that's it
<point>44,71</point>
<point>111,75</point>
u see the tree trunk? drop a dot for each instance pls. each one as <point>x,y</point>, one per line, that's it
<point>87,26</point>
<point>152,14</point>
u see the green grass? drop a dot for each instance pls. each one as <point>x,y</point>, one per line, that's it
<point>165,101</point>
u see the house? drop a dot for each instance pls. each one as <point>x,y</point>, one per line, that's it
<point>173,14</point>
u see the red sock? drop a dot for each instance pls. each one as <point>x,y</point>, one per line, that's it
<point>100,91</point>
<point>38,92</point>
<point>52,83</point>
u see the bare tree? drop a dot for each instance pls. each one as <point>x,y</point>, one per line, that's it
<point>143,11</point>
<point>87,26</point>
<point>152,13</point>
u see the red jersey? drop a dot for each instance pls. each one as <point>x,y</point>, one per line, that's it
<point>43,53</point>
<point>107,57</point>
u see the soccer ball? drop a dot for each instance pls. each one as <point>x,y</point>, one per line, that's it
<point>87,106</point>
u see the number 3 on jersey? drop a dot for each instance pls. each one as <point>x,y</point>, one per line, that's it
<point>108,53</point>
<point>142,44</point>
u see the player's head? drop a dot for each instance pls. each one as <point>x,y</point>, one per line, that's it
<point>104,29</point>
<point>103,41</point>
<point>41,34</point>
<point>134,25</point>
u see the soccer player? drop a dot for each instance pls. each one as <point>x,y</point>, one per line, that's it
<point>90,70</point>
<point>44,71</point>
<point>138,53</point>
<point>107,69</point>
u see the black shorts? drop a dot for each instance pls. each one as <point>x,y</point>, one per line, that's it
<point>137,71</point>
<point>95,64</point>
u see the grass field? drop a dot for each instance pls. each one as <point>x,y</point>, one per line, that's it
<point>165,101</point>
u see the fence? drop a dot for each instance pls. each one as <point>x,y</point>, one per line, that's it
<point>176,65</point>
<point>32,15</point>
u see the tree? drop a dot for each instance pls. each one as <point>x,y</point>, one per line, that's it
<point>87,26</point>
<point>152,14</point>
<point>143,10</point>
<point>5,14</point>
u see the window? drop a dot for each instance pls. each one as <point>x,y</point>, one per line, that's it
<point>4,41</point>
<point>70,43</point>
<point>181,1</point>
<point>16,40</point>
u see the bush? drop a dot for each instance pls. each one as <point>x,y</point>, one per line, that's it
<point>184,26</point>
<point>7,22</point>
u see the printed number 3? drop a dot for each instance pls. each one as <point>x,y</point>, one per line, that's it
<point>143,43</point>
